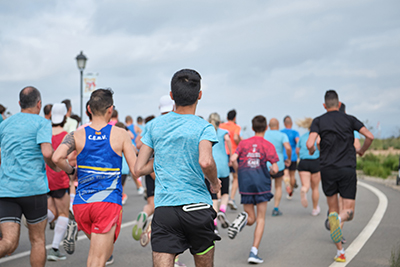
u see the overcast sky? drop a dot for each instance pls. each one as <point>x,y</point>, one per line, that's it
<point>273,58</point>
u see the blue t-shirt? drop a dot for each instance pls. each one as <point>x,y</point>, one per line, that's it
<point>132,129</point>
<point>303,148</point>
<point>125,167</point>
<point>292,135</point>
<point>219,154</point>
<point>356,135</point>
<point>175,140</point>
<point>22,171</point>
<point>277,139</point>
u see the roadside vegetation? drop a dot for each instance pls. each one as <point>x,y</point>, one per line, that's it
<point>395,257</point>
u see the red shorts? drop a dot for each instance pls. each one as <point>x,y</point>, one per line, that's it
<point>98,217</point>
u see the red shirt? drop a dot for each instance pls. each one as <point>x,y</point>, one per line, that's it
<point>57,180</point>
<point>233,129</point>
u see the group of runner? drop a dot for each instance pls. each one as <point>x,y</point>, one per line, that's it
<point>186,162</point>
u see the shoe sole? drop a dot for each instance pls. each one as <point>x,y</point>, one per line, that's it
<point>232,232</point>
<point>255,260</point>
<point>146,236</point>
<point>70,237</point>
<point>232,206</point>
<point>137,229</point>
<point>303,197</point>
<point>55,258</point>
<point>224,222</point>
<point>337,259</point>
<point>336,232</point>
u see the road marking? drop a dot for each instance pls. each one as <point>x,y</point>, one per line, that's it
<point>369,229</point>
<point>27,253</point>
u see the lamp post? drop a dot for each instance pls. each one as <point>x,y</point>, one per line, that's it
<point>81,61</point>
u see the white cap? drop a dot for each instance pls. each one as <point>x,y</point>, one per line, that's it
<point>166,104</point>
<point>58,112</point>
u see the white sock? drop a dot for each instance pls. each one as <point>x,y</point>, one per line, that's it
<point>340,219</point>
<point>71,201</point>
<point>50,216</point>
<point>59,231</point>
<point>254,250</point>
<point>339,252</point>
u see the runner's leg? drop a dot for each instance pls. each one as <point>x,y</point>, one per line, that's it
<point>101,248</point>
<point>9,242</point>
<point>38,243</point>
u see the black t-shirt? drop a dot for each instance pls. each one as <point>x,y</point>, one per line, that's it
<point>336,130</point>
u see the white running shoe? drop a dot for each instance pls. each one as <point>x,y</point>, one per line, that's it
<point>237,225</point>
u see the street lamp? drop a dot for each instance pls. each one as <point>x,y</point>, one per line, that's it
<point>81,61</point>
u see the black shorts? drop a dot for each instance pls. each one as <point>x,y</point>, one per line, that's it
<point>309,165</point>
<point>150,186</point>
<point>342,181</point>
<point>59,193</point>
<point>34,208</point>
<point>277,175</point>
<point>292,166</point>
<point>123,178</point>
<point>231,169</point>
<point>175,229</point>
<point>224,187</point>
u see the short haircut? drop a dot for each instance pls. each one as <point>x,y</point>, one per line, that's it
<point>287,119</point>
<point>87,111</point>
<point>259,124</point>
<point>331,99</point>
<point>231,115</point>
<point>128,119</point>
<point>139,119</point>
<point>67,103</point>
<point>342,107</point>
<point>149,118</point>
<point>100,101</point>
<point>29,97</point>
<point>114,114</point>
<point>47,109</point>
<point>121,125</point>
<point>2,109</point>
<point>185,87</point>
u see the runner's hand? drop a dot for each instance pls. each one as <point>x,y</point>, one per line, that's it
<point>214,188</point>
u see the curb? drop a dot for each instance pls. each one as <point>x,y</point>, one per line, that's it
<point>387,182</point>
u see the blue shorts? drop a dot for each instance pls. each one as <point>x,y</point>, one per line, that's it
<point>255,199</point>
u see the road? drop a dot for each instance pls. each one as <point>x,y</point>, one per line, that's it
<point>294,239</point>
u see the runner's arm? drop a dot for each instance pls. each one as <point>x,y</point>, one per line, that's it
<point>288,153</point>
<point>229,144</point>
<point>369,137</point>
<point>47,151</point>
<point>144,165</point>
<point>274,169</point>
<point>129,151</point>
<point>311,142</point>
<point>62,152</point>
<point>233,161</point>
<point>208,166</point>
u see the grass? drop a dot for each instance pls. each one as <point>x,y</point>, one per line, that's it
<point>378,165</point>
<point>395,257</point>
<point>383,144</point>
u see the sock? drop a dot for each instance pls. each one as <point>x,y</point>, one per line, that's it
<point>276,208</point>
<point>340,220</point>
<point>222,208</point>
<point>71,202</point>
<point>254,250</point>
<point>59,231</point>
<point>339,252</point>
<point>50,216</point>
<point>215,221</point>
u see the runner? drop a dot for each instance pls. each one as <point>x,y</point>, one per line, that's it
<point>219,155</point>
<point>183,216</point>
<point>294,137</point>
<point>131,128</point>
<point>97,207</point>
<point>2,111</point>
<point>281,143</point>
<point>71,124</point>
<point>58,197</point>
<point>47,111</point>
<point>234,134</point>
<point>25,142</point>
<point>338,162</point>
<point>254,183</point>
<point>139,125</point>
<point>308,168</point>
<point>114,117</point>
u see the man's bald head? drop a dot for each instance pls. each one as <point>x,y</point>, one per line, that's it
<point>274,124</point>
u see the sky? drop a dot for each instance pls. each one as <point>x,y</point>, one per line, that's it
<point>273,58</point>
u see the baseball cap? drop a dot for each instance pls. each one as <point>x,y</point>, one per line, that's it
<point>166,104</point>
<point>58,112</point>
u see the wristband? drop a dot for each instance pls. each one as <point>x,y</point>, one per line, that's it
<point>73,171</point>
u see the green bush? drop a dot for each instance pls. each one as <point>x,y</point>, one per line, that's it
<point>376,169</point>
<point>395,257</point>
<point>378,165</point>
<point>391,162</point>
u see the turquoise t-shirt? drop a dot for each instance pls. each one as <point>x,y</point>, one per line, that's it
<point>175,140</point>
<point>277,138</point>
<point>22,170</point>
<point>219,154</point>
<point>356,135</point>
<point>303,148</point>
<point>125,167</point>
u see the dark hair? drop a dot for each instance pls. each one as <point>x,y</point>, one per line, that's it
<point>29,97</point>
<point>139,119</point>
<point>67,103</point>
<point>76,117</point>
<point>128,119</point>
<point>61,123</point>
<point>149,118</point>
<point>87,111</point>
<point>114,113</point>
<point>47,109</point>
<point>259,123</point>
<point>2,109</point>
<point>185,87</point>
<point>100,101</point>
<point>342,107</point>
<point>287,117</point>
<point>331,99</point>
<point>231,115</point>
<point>121,125</point>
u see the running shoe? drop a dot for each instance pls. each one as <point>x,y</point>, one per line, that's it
<point>341,258</point>
<point>343,240</point>
<point>146,235</point>
<point>139,225</point>
<point>276,212</point>
<point>288,189</point>
<point>54,255</point>
<point>178,263</point>
<point>316,211</point>
<point>140,190</point>
<point>290,195</point>
<point>336,232</point>
<point>232,204</point>
<point>52,225</point>
<point>216,230</point>
<point>253,258</point>
<point>303,198</point>
<point>124,198</point>
<point>237,225</point>
<point>327,226</point>
<point>110,260</point>
<point>222,218</point>
<point>70,237</point>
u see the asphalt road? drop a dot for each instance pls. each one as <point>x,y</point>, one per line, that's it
<point>294,239</point>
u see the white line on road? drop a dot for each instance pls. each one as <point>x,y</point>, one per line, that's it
<point>369,229</point>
